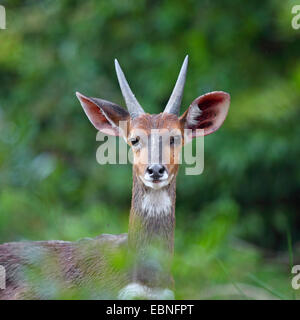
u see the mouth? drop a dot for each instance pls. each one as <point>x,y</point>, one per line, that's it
<point>157,180</point>
<point>156,183</point>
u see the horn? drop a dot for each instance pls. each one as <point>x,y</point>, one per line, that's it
<point>132,104</point>
<point>173,105</point>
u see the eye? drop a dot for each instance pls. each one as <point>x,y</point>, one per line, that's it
<point>134,141</point>
<point>174,140</point>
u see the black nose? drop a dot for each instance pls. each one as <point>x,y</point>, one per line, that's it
<point>156,171</point>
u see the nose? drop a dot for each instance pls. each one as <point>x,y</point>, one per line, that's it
<point>156,171</point>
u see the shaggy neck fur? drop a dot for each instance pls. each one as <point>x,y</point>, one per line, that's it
<point>151,232</point>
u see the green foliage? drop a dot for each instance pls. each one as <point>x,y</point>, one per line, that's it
<point>238,211</point>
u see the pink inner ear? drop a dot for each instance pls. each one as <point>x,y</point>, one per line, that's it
<point>95,115</point>
<point>214,107</point>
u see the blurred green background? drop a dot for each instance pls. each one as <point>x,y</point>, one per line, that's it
<point>237,230</point>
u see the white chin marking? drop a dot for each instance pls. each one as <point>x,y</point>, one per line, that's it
<point>137,291</point>
<point>156,203</point>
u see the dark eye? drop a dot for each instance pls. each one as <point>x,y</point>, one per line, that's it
<point>172,140</point>
<point>135,141</point>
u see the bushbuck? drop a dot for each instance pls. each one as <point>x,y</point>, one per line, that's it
<point>44,269</point>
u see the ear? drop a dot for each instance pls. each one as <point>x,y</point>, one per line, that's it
<point>207,112</point>
<point>104,115</point>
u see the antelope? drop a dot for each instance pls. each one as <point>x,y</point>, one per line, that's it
<point>149,244</point>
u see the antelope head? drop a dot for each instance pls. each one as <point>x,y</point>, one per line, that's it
<point>156,139</point>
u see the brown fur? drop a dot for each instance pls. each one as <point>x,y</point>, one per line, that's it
<point>46,269</point>
<point>162,122</point>
<point>32,267</point>
<point>151,232</point>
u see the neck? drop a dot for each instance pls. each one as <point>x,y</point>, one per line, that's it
<point>151,230</point>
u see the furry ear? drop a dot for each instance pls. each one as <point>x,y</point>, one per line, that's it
<point>207,112</point>
<point>104,115</point>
